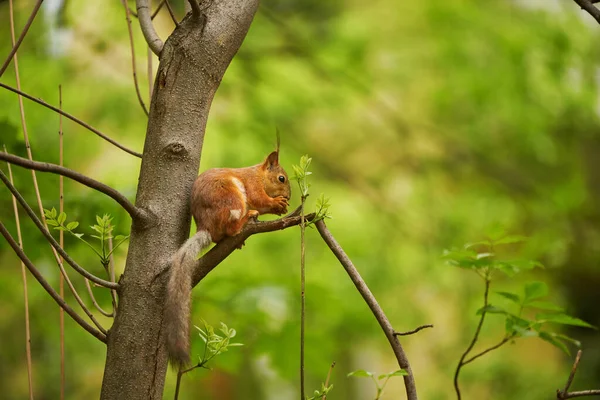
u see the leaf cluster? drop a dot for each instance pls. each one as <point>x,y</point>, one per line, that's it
<point>103,229</point>
<point>214,343</point>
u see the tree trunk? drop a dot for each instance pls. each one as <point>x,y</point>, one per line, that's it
<point>192,64</point>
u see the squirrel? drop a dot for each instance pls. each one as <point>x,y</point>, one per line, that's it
<point>222,202</point>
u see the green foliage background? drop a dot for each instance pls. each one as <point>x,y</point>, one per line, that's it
<point>429,123</point>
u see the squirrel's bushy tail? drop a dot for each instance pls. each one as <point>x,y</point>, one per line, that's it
<point>177,305</point>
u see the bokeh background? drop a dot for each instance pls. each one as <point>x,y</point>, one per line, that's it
<point>429,123</point>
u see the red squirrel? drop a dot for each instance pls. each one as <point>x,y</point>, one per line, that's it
<point>222,202</point>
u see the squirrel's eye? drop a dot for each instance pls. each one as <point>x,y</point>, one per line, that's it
<point>281,178</point>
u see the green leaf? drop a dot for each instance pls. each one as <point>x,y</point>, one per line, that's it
<point>98,220</point>
<point>53,213</point>
<point>563,319</point>
<point>510,239</point>
<point>535,290</point>
<point>551,338</point>
<point>51,222</point>
<point>400,372</point>
<point>61,218</point>
<point>477,244</point>
<point>360,373</point>
<point>545,305</point>
<point>118,238</point>
<point>511,296</point>
<point>72,225</point>
<point>79,235</point>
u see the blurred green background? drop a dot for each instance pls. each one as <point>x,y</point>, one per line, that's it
<point>429,123</point>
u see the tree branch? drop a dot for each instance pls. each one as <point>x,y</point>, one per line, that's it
<point>223,249</point>
<point>145,18</point>
<point>409,380</point>
<point>134,212</point>
<point>38,276</point>
<point>413,331</point>
<point>21,37</point>
<point>53,242</point>
<point>72,118</point>
<point>565,394</point>
<point>196,11</point>
<point>494,347</point>
<point>590,8</point>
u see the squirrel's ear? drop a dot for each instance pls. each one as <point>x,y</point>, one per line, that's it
<point>272,160</point>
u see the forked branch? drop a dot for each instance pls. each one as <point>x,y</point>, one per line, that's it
<point>565,394</point>
<point>136,213</point>
<point>51,240</point>
<point>38,276</point>
<point>409,380</point>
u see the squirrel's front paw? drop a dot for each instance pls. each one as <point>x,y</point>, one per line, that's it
<point>253,214</point>
<point>280,205</point>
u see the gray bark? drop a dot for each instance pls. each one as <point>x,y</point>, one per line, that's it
<point>192,64</point>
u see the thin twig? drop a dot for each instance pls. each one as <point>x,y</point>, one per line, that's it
<point>143,12</point>
<point>413,331</point>
<point>61,292</point>
<point>18,42</point>
<point>581,393</point>
<point>171,13</point>
<point>155,13</point>
<point>132,47</point>
<point>461,362</point>
<point>72,118</point>
<point>25,293</point>
<point>327,380</point>
<point>361,286</point>
<point>499,344</point>
<point>590,8</point>
<point>53,242</point>
<point>94,302</point>
<point>37,275</point>
<point>134,212</point>
<point>573,371</point>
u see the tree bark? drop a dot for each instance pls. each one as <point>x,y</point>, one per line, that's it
<point>192,64</point>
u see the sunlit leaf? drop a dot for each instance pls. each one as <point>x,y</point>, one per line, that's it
<point>563,319</point>
<point>535,290</point>
<point>72,225</point>
<point>361,373</point>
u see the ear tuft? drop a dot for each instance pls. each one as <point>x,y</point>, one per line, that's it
<point>272,160</point>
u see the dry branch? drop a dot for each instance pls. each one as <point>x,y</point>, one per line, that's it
<point>37,275</point>
<point>565,394</point>
<point>134,212</point>
<point>72,118</point>
<point>409,380</point>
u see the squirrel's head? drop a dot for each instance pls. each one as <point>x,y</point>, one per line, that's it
<point>276,181</point>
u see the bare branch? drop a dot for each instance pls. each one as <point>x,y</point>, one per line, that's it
<point>53,242</point>
<point>171,13</point>
<point>327,380</point>
<point>145,18</point>
<point>132,47</point>
<point>16,45</point>
<point>590,8</point>
<point>38,276</point>
<point>565,394</point>
<point>409,380</point>
<point>223,249</point>
<point>72,118</point>
<point>95,303</point>
<point>136,213</point>
<point>413,331</point>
